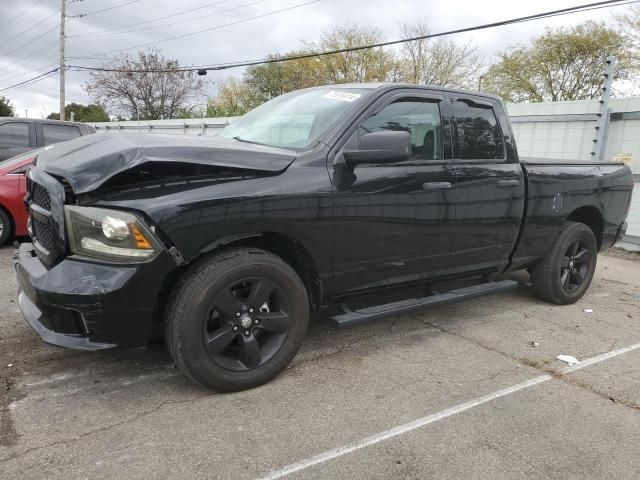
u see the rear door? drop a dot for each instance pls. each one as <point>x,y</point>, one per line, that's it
<point>490,191</point>
<point>393,220</point>
<point>15,138</point>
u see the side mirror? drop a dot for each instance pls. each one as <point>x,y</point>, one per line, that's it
<point>380,147</point>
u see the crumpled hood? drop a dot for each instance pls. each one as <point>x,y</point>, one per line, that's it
<point>88,162</point>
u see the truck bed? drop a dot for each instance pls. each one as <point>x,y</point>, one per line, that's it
<point>592,192</point>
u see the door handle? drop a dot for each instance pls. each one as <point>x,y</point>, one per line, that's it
<point>433,186</point>
<point>508,183</point>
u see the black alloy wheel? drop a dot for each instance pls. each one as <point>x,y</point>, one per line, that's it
<point>236,318</point>
<point>565,273</point>
<point>575,265</point>
<point>247,323</point>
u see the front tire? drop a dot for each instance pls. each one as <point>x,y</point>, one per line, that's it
<point>565,273</point>
<point>237,319</point>
<point>5,227</point>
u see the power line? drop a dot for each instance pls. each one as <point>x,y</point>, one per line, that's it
<point>28,59</point>
<point>622,3</point>
<point>55,27</point>
<point>248,63</point>
<point>104,9</point>
<point>99,32</point>
<point>182,21</point>
<point>22,12</point>
<point>274,12</point>
<point>35,70</point>
<point>31,80</point>
<point>564,11</point>
<point>42,50</point>
<point>22,33</point>
<point>52,74</point>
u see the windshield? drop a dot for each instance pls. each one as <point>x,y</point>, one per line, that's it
<point>295,120</point>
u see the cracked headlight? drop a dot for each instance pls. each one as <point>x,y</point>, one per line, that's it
<point>109,235</point>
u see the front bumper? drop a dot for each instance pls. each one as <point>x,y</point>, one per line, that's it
<point>90,306</point>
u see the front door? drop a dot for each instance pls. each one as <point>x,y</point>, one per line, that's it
<point>393,221</point>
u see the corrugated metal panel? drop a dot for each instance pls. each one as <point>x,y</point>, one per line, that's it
<point>574,139</point>
<point>633,220</point>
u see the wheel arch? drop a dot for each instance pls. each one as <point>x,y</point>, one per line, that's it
<point>592,217</point>
<point>293,252</point>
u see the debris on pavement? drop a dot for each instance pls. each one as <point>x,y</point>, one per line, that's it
<point>568,359</point>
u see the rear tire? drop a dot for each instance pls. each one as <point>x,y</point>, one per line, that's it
<point>565,273</point>
<point>5,227</point>
<point>237,319</point>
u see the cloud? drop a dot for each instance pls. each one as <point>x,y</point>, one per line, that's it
<point>251,39</point>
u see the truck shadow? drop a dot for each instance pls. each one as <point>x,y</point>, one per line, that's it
<point>99,374</point>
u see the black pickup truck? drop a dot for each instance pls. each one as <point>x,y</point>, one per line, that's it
<point>315,200</point>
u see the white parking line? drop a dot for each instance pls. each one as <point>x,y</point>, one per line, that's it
<point>421,422</point>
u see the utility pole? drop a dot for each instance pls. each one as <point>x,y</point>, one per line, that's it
<point>63,8</point>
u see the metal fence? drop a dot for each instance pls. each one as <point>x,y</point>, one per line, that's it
<point>562,130</point>
<point>190,126</point>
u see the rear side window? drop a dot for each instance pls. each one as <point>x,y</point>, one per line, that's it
<point>478,132</point>
<point>58,133</point>
<point>14,135</point>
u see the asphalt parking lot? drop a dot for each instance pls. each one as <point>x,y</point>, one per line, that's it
<point>455,392</point>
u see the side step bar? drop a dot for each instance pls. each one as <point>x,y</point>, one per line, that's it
<point>368,314</point>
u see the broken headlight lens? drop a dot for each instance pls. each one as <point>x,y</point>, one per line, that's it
<point>109,235</point>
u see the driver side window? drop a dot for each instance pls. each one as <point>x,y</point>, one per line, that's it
<point>419,117</point>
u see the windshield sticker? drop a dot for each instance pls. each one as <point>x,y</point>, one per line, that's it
<point>344,96</point>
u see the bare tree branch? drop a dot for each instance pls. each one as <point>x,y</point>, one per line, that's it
<point>151,94</point>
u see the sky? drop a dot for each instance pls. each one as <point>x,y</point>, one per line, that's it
<point>29,35</point>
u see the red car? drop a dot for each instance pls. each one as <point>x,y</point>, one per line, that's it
<point>20,137</point>
<point>13,214</point>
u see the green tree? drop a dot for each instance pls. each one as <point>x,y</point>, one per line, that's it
<point>368,65</point>
<point>94,113</point>
<point>273,79</point>
<point>82,113</point>
<point>561,64</point>
<point>263,82</point>
<point>6,108</point>
<point>234,97</point>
